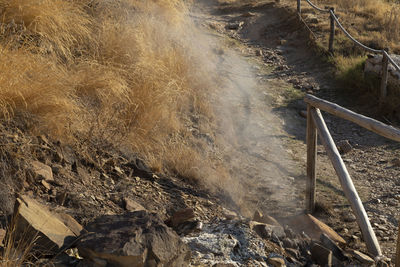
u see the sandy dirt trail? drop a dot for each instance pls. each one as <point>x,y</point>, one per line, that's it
<point>251,134</point>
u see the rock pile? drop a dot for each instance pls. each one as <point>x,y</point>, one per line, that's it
<point>140,238</point>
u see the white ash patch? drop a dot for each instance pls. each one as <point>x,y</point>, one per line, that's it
<point>227,242</point>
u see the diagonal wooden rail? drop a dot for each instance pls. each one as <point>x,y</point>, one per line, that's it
<point>316,127</point>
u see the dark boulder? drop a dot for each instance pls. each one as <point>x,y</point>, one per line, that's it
<point>133,239</point>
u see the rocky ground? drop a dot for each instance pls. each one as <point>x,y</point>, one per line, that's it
<point>133,217</point>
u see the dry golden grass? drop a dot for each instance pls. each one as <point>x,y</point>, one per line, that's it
<point>54,26</point>
<point>18,247</point>
<point>107,73</point>
<point>31,84</point>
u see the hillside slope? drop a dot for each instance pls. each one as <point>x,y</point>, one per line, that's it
<point>173,108</point>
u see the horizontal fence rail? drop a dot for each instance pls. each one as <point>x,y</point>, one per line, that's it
<point>373,125</point>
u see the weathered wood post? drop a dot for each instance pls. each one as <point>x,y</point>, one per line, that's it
<point>384,78</point>
<point>299,8</point>
<point>398,248</point>
<point>332,34</point>
<point>311,160</point>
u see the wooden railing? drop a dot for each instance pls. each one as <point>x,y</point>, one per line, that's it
<point>316,126</point>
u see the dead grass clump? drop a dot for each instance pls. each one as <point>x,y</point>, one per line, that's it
<point>165,83</point>
<point>18,249</point>
<point>54,26</point>
<point>391,24</point>
<point>31,84</point>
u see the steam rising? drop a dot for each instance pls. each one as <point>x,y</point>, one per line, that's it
<point>248,136</point>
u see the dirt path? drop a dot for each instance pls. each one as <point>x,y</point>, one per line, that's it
<point>270,68</point>
<point>251,133</point>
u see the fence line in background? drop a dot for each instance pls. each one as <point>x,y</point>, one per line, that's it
<point>386,59</point>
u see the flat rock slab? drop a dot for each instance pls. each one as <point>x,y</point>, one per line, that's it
<point>365,259</point>
<point>313,228</point>
<point>50,231</point>
<point>133,239</point>
<point>42,170</point>
<point>336,250</point>
<point>131,205</point>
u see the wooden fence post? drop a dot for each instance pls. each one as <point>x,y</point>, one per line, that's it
<point>384,79</point>
<point>299,8</point>
<point>332,34</point>
<point>311,160</point>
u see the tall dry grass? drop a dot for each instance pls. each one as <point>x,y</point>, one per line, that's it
<point>18,247</point>
<point>98,72</point>
<point>48,26</point>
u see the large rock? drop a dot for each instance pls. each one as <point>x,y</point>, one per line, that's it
<point>181,216</point>
<point>313,228</point>
<point>42,170</point>
<point>134,239</point>
<point>266,230</point>
<point>344,146</point>
<point>276,262</point>
<point>49,231</point>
